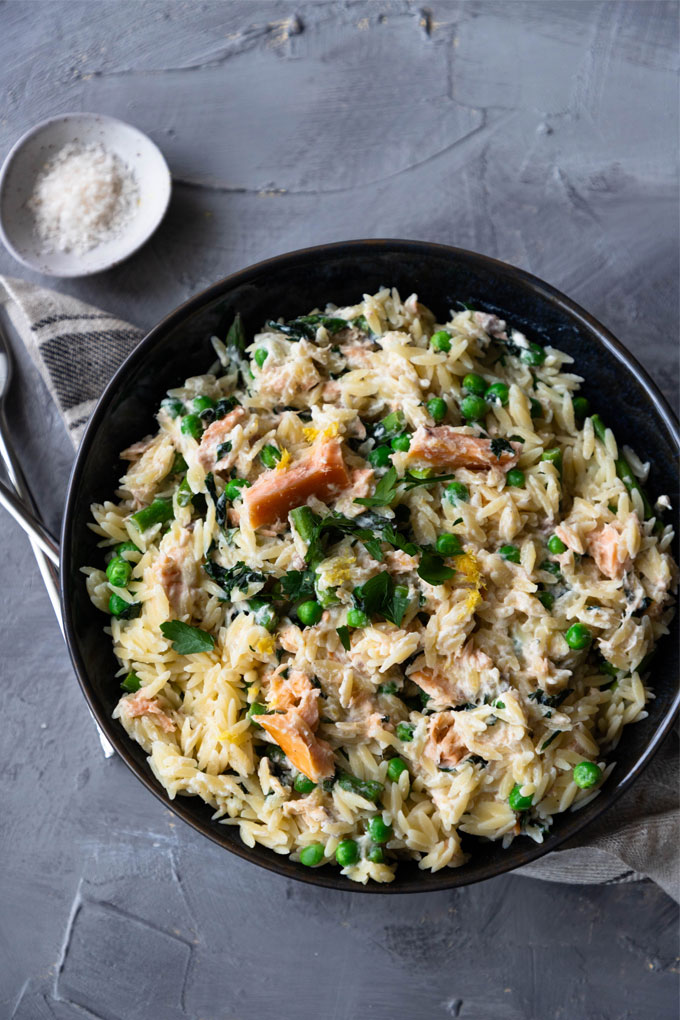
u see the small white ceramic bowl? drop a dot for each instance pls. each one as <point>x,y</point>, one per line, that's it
<point>28,157</point>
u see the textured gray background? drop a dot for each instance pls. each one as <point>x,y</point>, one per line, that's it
<point>541,133</point>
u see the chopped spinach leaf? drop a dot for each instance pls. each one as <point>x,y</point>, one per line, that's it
<point>550,700</point>
<point>238,577</point>
<point>499,446</point>
<point>343,634</point>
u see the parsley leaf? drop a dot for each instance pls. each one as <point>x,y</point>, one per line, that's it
<point>380,596</point>
<point>187,640</point>
<point>297,584</point>
<point>385,491</point>
<point>499,446</point>
<point>433,569</point>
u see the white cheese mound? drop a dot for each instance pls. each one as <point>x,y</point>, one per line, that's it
<point>84,195</point>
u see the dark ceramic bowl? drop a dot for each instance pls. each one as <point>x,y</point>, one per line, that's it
<point>287,285</point>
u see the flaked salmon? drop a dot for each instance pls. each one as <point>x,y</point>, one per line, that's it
<point>322,473</point>
<point>214,436</point>
<point>444,746</point>
<point>443,447</point>
<point>312,756</point>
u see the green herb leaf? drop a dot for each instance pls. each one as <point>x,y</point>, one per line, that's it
<point>499,446</point>
<point>187,640</point>
<point>343,634</point>
<point>433,569</point>
<point>131,683</point>
<point>412,483</point>
<point>238,577</point>
<point>219,501</point>
<point>550,700</point>
<point>385,491</point>
<point>297,584</point>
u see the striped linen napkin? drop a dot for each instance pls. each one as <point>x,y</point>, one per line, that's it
<point>77,348</point>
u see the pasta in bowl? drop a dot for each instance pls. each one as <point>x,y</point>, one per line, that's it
<point>379,583</point>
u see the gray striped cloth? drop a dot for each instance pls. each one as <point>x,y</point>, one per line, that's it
<point>77,348</point>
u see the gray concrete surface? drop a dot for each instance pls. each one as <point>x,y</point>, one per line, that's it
<point>541,133</point>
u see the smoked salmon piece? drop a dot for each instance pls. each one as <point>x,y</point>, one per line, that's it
<point>139,705</point>
<point>214,436</point>
<point>322,474</point>
<point>606,547</point>
<point>312,756</point>
<point>443,447</point>
<point>296,693</point>
<point>444,745</point>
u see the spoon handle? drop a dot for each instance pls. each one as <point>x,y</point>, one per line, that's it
<point>37,531</point>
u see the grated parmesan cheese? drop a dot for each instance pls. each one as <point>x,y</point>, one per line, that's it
<point>84,196</point>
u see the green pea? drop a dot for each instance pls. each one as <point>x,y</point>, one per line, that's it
<point>586,774</point>
<point>437,408</point>
<point>118,572</point>
<point>270,456</point>
<point>131,683</point>
<point>402,443</point>
<point>309,613</point>
<point>498,393</point>
<point>395,767</point>
<point>302,784</point>
<point>516,801</point>
<point>449,545</point>
<point>456,493</point>
<point>192,426</point>
<point>556,545</point>
<point>256,709</point>
<point>380,457</point>
<point>510,552</point>
<point>122,609</point>
<point>516,478</point>
<point>533,355</point>
<point>376,855</point>
<point>475,384</point>
<point>203,403</point>
<point>378,830</point>
<point>473,408</point>
<point>357,618</point>
<point>347,853</point>
<point>404,731</point>
<point>124,547</point>
<point>312,855</point>
<point>546,598</point>
<point>581,407</point>
<point>553,456</point>
<point>578,636</point>
<point>232,489</point>
<point>535,408</point>
<point>441,341</point>
<point>260,356</point>
<point>158,512</point>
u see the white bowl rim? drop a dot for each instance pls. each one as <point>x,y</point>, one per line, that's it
<point>31,133</point>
